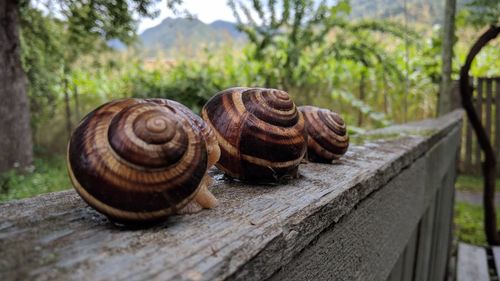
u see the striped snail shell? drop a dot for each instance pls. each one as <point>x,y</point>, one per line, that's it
<point>137,161</point>
<point>197,123</point>
<point>260,133</point>
<point>327,135</point>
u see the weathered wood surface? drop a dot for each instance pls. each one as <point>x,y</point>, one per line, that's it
<point>369,243</point>
<point>496,257</point>
<point>254,232</point>
<point>472,263</point>
<point>410,258</point>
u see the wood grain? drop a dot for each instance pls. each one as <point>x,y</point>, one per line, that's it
<point>496,258</point>
<point>255,231</point>
<point>368,244</point>
<point>472,263</point>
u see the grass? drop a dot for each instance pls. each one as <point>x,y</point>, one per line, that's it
<point>49,175</point>
<point>473,183</point>
<point>469,226</point>
<point>468,222</point>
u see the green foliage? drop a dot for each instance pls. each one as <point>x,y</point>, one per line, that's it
<point>310,48</point>
<point>42,60</point>
<point>299,48</point>
<point>189,83</point>
<point>52,44</point>
<point>473,183</point>
<point>49,175</point>
<point>469,223</point>
<point>482,12</point>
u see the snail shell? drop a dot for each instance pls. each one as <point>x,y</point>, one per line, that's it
<point>197,123</point>
<point>327,134</point>
<point>136,161</point>
<point>260,132</point>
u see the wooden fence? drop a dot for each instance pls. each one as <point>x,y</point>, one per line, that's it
<point>486,98</point>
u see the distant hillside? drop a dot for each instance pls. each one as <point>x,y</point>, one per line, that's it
<point>423,11</point>
<point>192,35</point>
<point>187,34</point>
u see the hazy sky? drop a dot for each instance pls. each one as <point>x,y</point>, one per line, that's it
<point>206,10</point>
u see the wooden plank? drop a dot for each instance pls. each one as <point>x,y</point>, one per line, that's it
<point>443,223</point>
<point>497,122</point>
<point>367,244</point>
<point>434,236</point>
<point>433,262</point>
<point>409,260</point>
<point>255,231</point>
<point>479,109</point>
<point>397,271</point>
<point>436,171</point>
<point>472,263</point>
<point>424,245</point>
<point>496,257</point>
<point>389,235</point>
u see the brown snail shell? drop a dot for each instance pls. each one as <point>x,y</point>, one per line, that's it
<point>137,161</point>
<point>327,134</point>
<point>200,124</point>
<point>260,133</point>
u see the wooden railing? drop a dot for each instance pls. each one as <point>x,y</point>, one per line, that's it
<point>486,98</point>
<point>382,212</point>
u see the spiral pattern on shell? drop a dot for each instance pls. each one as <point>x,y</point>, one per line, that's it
<point>260,133</point>
<point>327,134</point>
<point>198,124</point>
<point>135,161</point>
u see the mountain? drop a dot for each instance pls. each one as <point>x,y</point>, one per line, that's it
<point>192,35</point>
<point>226,26</point>
<point>187,34</point>
<point>423,11</point>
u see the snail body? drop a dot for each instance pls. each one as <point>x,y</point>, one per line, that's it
<point>260,132</point>
<point>138,161</point>
<point>327,134</point>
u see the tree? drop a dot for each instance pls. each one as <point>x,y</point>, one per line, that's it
<point>15,139</point>
<point>84,22</point>
<point>445,94</point>
<point>296,38</point>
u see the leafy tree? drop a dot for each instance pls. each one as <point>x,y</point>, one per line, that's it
<point>83,23</point>
<point>42,57</point>
<point>480,13</point>
<point>294,38</point>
